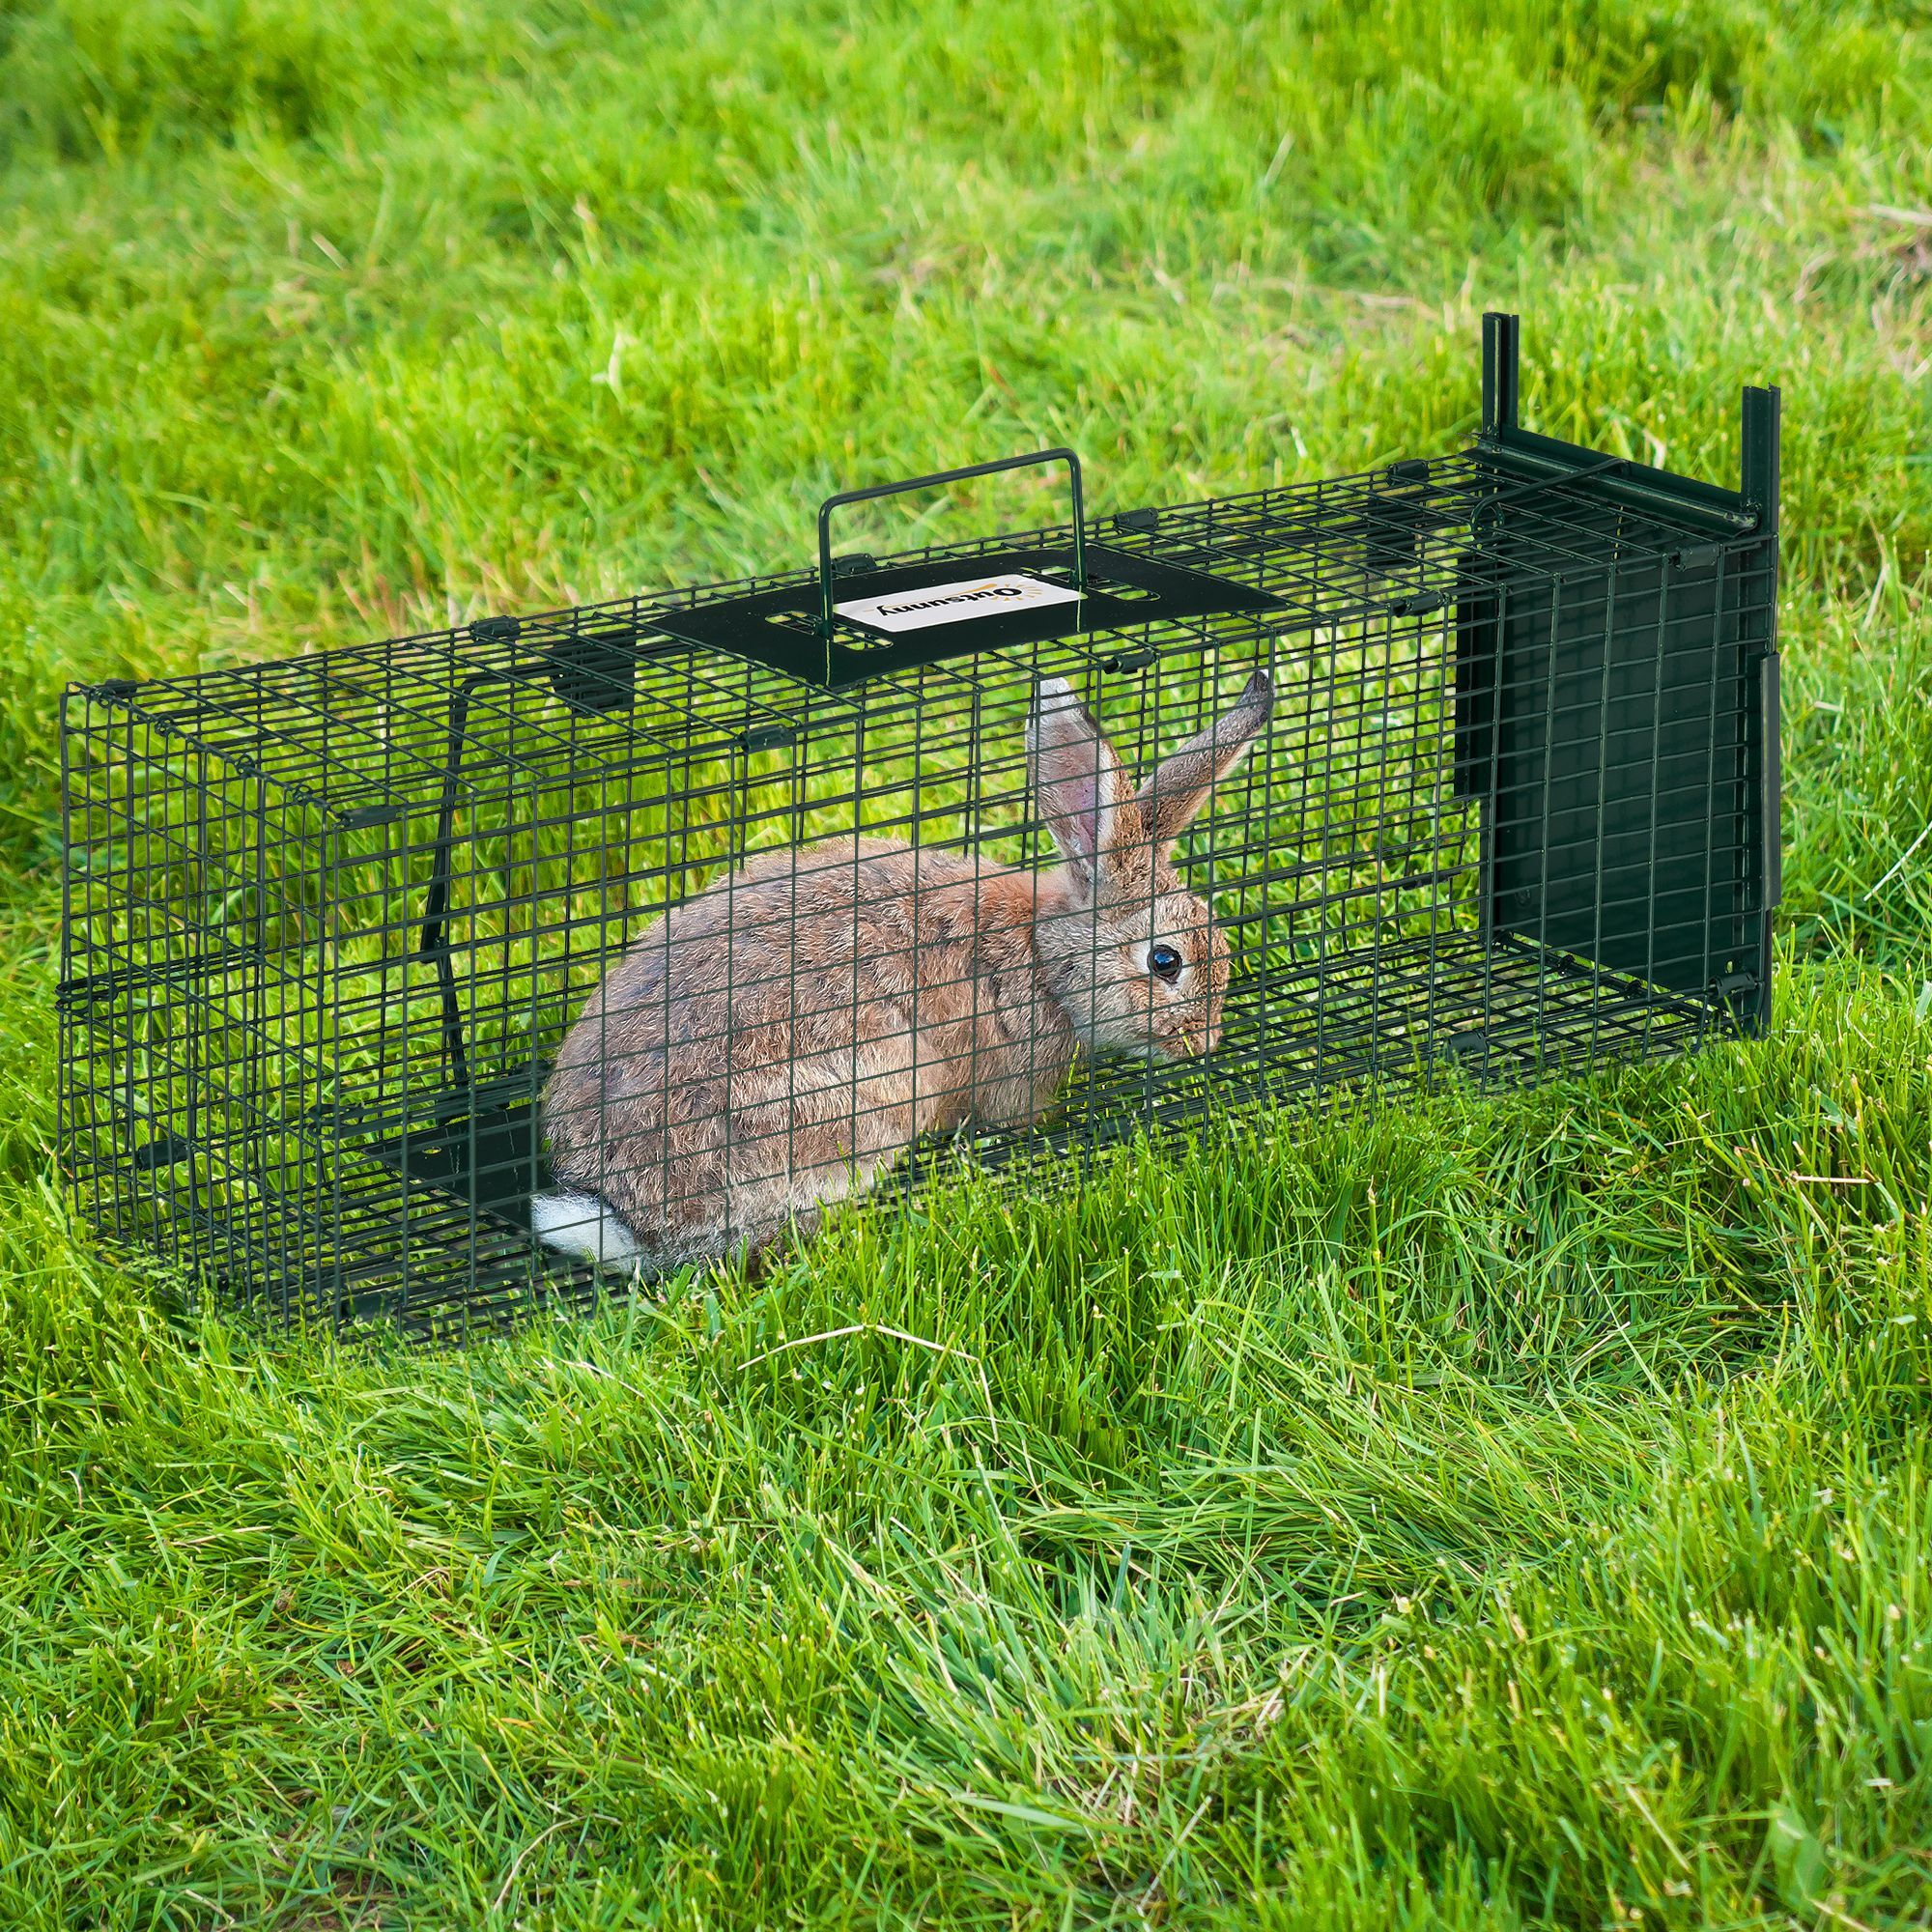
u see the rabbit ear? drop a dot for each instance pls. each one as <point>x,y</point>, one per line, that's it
<point>1083,793</point>
<point>1180,784</point>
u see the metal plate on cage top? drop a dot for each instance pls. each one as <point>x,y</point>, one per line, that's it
<point>780,628</point>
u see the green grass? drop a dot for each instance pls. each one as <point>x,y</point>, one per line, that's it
<point>1489,1512</point>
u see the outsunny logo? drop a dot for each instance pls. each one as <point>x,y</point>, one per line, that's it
<point>953,597</point>
<point>953,602</point>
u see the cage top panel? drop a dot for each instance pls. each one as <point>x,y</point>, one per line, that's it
<point>363,730</point>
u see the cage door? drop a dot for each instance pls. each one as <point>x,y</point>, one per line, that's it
<point>1609,719</point>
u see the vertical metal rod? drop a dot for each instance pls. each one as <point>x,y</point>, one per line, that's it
<point>434,944</point>
<point>1501,339</point>
<point>1608,642</point>
<point>68,1084</point>
<point>1760,486</point>
<point>1707,972</point>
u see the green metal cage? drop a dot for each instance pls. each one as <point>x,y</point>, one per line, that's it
<point>330,921</point>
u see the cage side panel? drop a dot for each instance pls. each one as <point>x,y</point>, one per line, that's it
<point>1623,815</point>
<point>130,963</point>
<point>172,918</point>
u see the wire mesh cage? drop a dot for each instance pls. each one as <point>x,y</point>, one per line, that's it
<point>471,971</point>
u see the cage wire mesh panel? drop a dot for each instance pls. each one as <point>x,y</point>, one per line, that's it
<point>1510,804</point>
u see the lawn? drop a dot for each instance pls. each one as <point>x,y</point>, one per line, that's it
<point>1475,1513</point>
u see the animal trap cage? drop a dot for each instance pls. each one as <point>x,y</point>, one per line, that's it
<point>457,973</point>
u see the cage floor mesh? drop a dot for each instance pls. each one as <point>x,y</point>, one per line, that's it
<point>1417,1019</point>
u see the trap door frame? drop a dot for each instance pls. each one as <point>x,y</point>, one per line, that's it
<point>1619,718</point>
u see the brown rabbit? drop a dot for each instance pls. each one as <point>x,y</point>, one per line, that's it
<point>771,1044</point>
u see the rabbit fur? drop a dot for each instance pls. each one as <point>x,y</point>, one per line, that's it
<point>773,1044</point>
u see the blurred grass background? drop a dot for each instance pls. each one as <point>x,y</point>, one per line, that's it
<point>1486,1515</point>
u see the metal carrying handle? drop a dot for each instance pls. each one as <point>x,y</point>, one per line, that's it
<point>845,497</point>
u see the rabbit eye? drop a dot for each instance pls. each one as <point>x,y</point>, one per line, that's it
<point>1164,963</point>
